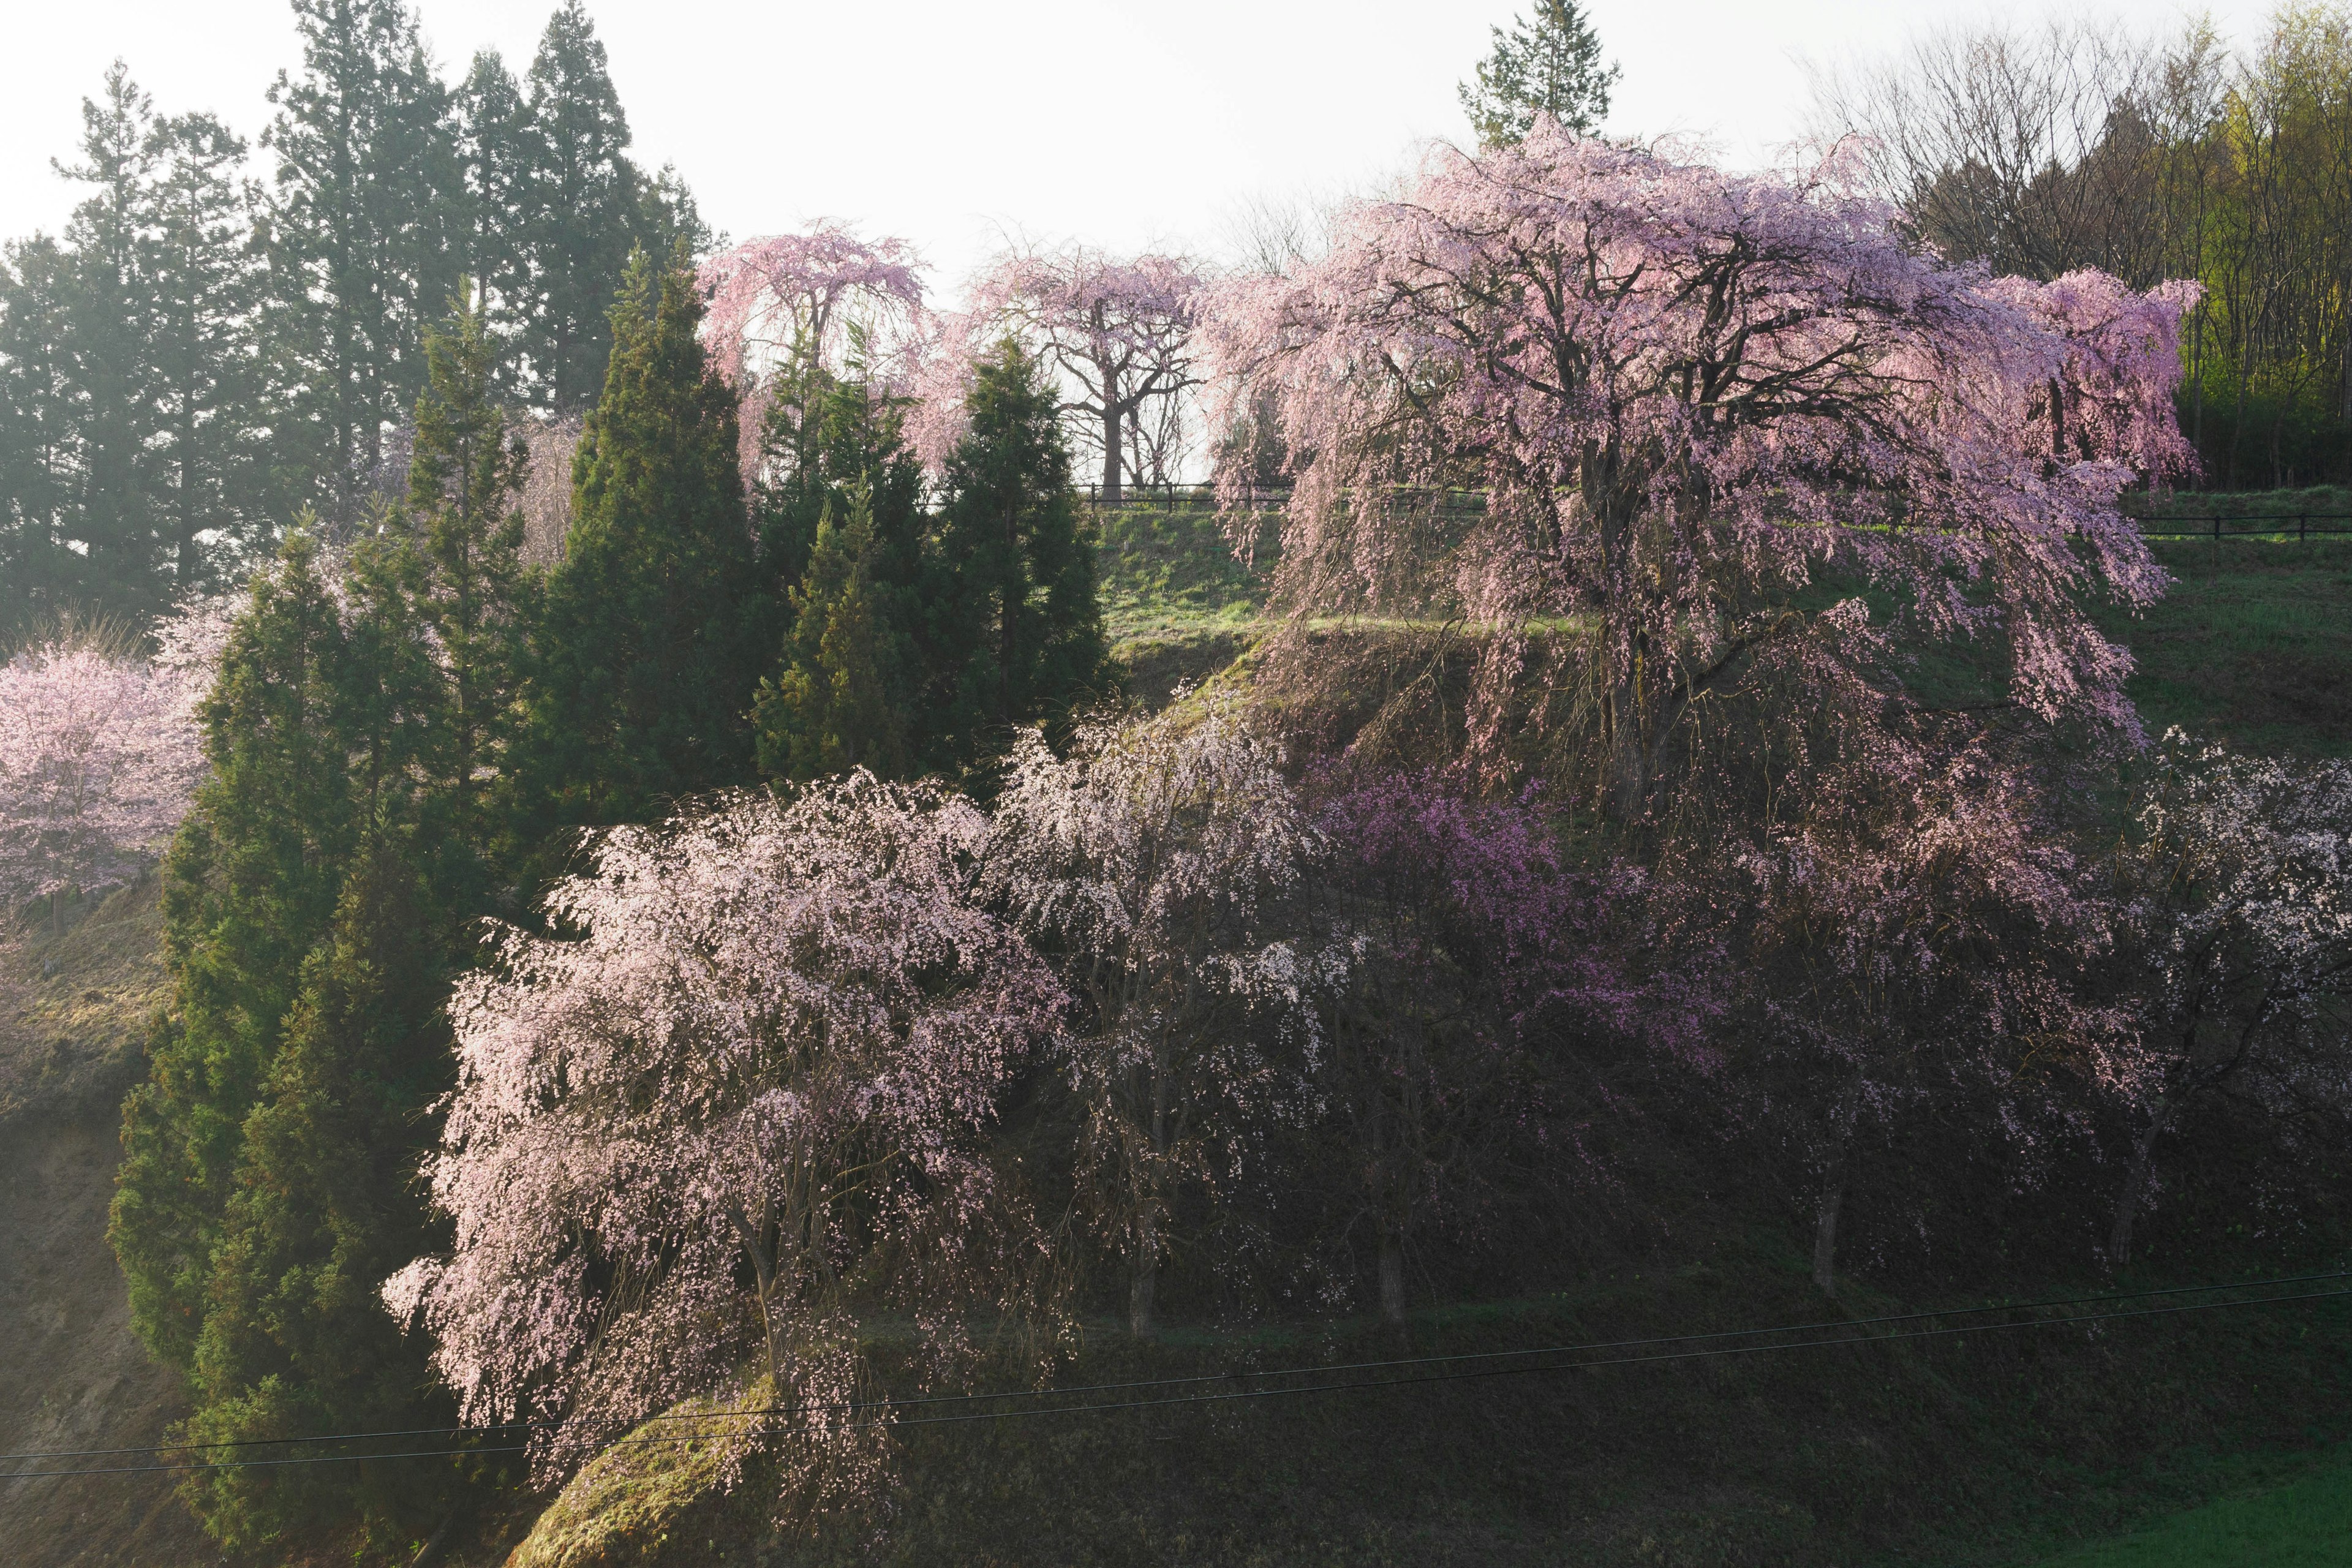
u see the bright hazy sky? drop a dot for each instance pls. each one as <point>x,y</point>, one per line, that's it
<point>951,122</point>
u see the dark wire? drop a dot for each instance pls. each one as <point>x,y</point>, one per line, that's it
<point>1326,1371</point>
<point>1346,1387</point>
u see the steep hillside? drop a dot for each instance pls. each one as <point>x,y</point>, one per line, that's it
<point>72,1375</point>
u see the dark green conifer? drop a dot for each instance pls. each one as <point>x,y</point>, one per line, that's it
<point>1549,64</point>
<point>842,701</point>
<point>208,479</point>
<point>583,209</point>
<point>296,1340</point>
<point>641,692</point>
<point>1014,617</point>
<point>360,233</point>
<point>467,543</point>
<point>249,887</point>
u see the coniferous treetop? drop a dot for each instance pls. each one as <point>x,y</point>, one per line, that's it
<point>1547,64</point>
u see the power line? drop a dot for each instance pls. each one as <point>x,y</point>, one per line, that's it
<point>1843,1335</point>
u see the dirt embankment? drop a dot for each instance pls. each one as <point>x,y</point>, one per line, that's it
<point>72,1375</point>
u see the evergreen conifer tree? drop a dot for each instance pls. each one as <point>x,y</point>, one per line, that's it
<point>584,208</point>
<point>208,477</point>
<point>108,325</point>
<point>842,701</point>
<point>39,575</point>
<point>640,688</point>
<point>496,154</point>
<point>1547,64</point>
<point>826,437</point>
<point>294,1340</point>
<point>462,480</point>
<point>360,229</point>
<point>1016,615</point>
<point>249,887</point>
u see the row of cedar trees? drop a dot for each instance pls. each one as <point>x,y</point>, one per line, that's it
<point>408,737</point>
<point>200,355</point>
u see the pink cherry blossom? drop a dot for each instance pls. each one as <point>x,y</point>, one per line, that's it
<point>745,1089</point>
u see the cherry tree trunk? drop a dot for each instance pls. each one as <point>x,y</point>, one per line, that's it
<point>1391,1270</point>
<point>1111,467</point>
<point>2135,1191</point>
<point>1831,1198</point>
<point>1145,1285</point>
<point>1628,759</point>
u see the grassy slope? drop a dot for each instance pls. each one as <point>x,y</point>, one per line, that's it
<point>2305,1523</point>
<point>72,1374</point>
<point>2253,644</point>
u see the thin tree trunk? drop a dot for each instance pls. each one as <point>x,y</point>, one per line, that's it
<point>1628,759</point>
<point>2135,1191</point>
<point>1111,466</point>
<point>764,1274</point>
<point>1144,1287</point>
<point>1392,1266</point>
<point>1831,1199</point>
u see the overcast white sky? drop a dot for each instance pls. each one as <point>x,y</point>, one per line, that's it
<point>1126,124</point>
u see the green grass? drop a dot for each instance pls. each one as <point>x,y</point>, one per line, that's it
<point>2304,1524</point>
<point>2253,645</point>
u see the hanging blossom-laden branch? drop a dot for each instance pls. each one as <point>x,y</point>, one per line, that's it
<point>1167,862</point>
<point>99,756</point>
<point>1115,331</point>
<point>790,307</point>
<point>1686,392</point>
<point>747,1099</point>
<point>1484,954</point>
<point>1919,933</point>
<point>2238,916</point>
<point>796,295</point>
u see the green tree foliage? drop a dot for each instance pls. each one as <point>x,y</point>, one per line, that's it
<point>842,701</point>
<point>467,565</point>
<point>495,153</point>
<point>640,688</point>
<point>1550,64</point>
<point>294,1339</point>
<point>105,361</point>
<point>583,209</point>
<point>826,438</point>
<point>1015,624</point>
<point>315,903</point>
<point>206,480</point>
<point>38,574</point>
<point>359,234</point>
<point>250,885</point>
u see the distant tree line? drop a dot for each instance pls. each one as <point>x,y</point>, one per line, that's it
<point>2082,145</point>
<point>203,352</point>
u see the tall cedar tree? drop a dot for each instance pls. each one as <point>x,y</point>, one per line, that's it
<point>1547,64</point>
<point>106,363</point>
<point>640,688</point>
<point>842,699</point>
<point>495,158</point>
<point>294,1340</point>
<point>583,209</point>
<point>263,1197</point>
<point>39,575</point>
<point>1015,618</point>
<point>207,479</point>
<point>250,885</point>
<point>359,234</point>
<point>826,437</point>
<point>462,482</point>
